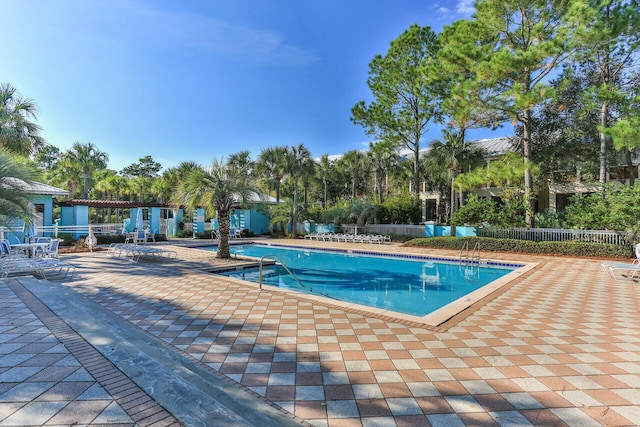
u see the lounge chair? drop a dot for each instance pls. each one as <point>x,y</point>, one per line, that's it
<point>39,267</point>
<point>134,252</point>
<point>618,270</point>
<point>611,267</point>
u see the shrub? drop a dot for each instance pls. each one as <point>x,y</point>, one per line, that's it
<point>400,209</point>
<point>107,239</point>
<point>580,249</point>
<point>67,239</point>
<point>475,211</point>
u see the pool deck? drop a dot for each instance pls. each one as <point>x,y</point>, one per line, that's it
<point>165,343</point>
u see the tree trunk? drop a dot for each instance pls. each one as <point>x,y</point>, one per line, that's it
<point>528,177</point>
<point>85,192</point>
<point>416,175</point>
<point>604,113</point>
<point>627,158</point>
<point>453,195</point>
<point>294,218</point>
<point>223,225</point>
<point>353,188</point>
<point>324,200</point>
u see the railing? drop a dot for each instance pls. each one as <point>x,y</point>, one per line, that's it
<point>475,253</point>
<point>557,234</point>
<point>277,258</point>
<point>402,229</point>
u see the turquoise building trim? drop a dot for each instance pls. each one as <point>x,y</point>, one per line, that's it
<point>199,221</point>
<point>433,230</point>
<point>154,220</point>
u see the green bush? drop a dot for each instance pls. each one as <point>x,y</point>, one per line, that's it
<point>67,239</point>
<point>107,239</point>
<point>475,211</point>
<point>400,209</point>
<point>613,207</point>
<point>579,249</point>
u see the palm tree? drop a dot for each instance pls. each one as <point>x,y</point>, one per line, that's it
<point>324,172</point>
<point>307,175</point>
<point>14,179</point>
<point>271,166</point>
<point>242,160</point>
<point>297,162</point>
<point>18,133</point>
<point>453,156</point>
<point>383,159</point>
<point>120,185</point>
<point>68,174</point>
<point>218,187</point>
<point>356,165</point>
<point>88,157</point>
<point>171,178</point>
<point>105,187</point>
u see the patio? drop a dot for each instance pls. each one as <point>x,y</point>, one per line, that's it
<point>560,345</point>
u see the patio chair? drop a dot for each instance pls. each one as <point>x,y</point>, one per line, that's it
<point>52,250</point>
<point>7,250</point>
<point>40,250</point>
<point>140,237</point>
<point>150,235</point>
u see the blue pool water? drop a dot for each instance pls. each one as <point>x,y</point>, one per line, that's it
<point>410,285</point>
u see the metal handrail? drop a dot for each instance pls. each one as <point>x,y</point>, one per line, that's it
<point>464,246</point>
<point>277,258</point>
<point>476,248</point>
<point>475,253</point>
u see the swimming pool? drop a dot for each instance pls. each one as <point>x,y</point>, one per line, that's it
<point>412,285</point>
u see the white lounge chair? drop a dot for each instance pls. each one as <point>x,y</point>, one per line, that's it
<point>622,270</point>
<point>631,268</point>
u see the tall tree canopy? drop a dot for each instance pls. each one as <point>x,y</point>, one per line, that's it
<point>609,39</point>
<point>298,161</point>
<point>271,166</point>
<point>14,198</point>
<point>519,44</point>
<point>88,158</point>
<point>18,131</point>
<point>406,90</point>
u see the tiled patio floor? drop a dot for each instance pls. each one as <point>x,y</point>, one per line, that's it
<point>558,346</point>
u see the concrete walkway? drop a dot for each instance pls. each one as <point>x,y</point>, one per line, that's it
<point>165,343</point>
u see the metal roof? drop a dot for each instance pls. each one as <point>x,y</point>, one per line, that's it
<point>35,187</point>
<point>496,146</point>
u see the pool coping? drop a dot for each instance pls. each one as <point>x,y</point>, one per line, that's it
<point>432,320</point>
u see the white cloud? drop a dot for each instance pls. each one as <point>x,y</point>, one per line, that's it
<point>443,10</point>
<point>465,7</point>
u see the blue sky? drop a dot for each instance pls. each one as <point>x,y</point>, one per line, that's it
<point>201,79</point>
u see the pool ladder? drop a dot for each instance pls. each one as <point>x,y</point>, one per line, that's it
<point>277,258</point>
<point>475,253</point>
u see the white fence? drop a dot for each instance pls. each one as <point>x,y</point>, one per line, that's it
<point>403,229</point>
<point>533,234</point>
<point>558,235</point>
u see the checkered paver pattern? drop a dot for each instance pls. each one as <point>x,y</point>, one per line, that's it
<point>560,346</point>
<point>51,376</point>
